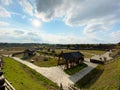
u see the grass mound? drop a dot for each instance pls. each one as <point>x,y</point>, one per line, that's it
<point>45,61</point>
<point>115,53</point>
<point>103,77</point>
<point>24,78</point>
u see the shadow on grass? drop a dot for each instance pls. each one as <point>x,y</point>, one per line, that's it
<point>90,78</point>
<point>75,69</point>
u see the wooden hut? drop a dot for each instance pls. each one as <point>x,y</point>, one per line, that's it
<point>29,52</point>
<point>70,59</point>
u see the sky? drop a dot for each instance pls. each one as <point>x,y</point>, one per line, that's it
<point>60,21</point>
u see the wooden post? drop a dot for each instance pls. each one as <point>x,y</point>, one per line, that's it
<point>61,87</point>
<point>58,60</point>
<point>67,64</point>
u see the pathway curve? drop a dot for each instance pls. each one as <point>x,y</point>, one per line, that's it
<point>84,71</point>
<point>57,75</point>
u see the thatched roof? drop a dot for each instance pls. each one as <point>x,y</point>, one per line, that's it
<point>71,55</point>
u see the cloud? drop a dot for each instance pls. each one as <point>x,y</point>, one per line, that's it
<point>18,32</point>
<point>97,18</point>
<point>11,31</point>
<point>2,24</point>
<point>115,36</point>
<point>27,6</point>
<point>47,10</point>
<point>94,15</point>
<point>6,2</point>
<point>77,11</point>
<point>27,36</point>
<point>96,27</point>
<point>4,12</point>
<point>18,35</point>
<point>32,33</point>
<point>23,16</point>
<point>93,10</point>
<point>69,38</point>
<point>14,35</point>
<point>39,36</point>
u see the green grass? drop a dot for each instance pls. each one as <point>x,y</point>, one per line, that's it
<point>87,53</point>
<point>75,69</point>
<point>45,52</point>
<point>53,61</point>
<point>40,60</point>
<point>103,77</point>
<point>24,78</point>
<point>115,53</point>
<point>93,51</point>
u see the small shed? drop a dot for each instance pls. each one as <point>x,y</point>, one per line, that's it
<point>98,59</point>
<point>29,52</point>
<point>70,59</point>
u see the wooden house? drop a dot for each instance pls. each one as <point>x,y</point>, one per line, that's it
<point>29,52</point>
<point>70,59</point>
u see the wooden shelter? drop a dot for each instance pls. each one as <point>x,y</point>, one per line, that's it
<point>27,52</point>
<point>70,59</point>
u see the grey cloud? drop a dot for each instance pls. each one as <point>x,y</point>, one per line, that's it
<point>95,27</point>
<point>32,34</point>
<point>27,6</point>
<point>81,12</point>
<point>93,9</point>
<point>48,8</point>
<point>6,2</point>
<point>18,32</point>
<point>115,36</point>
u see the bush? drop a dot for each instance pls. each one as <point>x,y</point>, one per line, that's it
<point>45,59</point>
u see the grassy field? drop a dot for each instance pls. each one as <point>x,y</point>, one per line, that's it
<point>75,69</point>
<point>51,61</point>
<point>24,78</point>
<point>45,61</point>
<point>103,77</point>
<point>87,53</point>
<point>99,52</point>
<point>10,50</point>
<point>115,53</point>
<point>40,60</point>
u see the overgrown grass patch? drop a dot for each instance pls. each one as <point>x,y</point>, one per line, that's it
<point>24,78</point>
<point>87,55</point>
<point>46,62</point>
<point>75,69</point>
<point>98,52</point>
<point>41,60</point>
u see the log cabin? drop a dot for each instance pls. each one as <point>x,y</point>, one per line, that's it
<point>70,59</point>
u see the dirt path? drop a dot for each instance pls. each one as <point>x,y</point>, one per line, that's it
<point>84,71</point>
<point>57,75</point>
